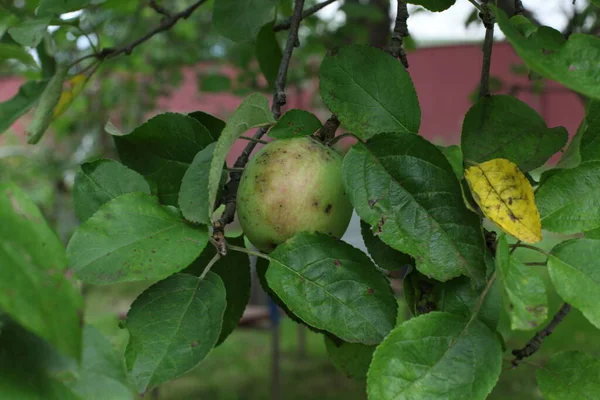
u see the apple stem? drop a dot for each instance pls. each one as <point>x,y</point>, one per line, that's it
<point>248,251</point>
<point>212,262</point>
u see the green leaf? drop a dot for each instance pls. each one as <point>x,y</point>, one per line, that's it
<point>523,290</point>
<point>434,5</point>
<point>573,269</point>
<point>458,297</point>
<point>404,187</point>
<point>253,112</point>
<point>214,83</point>
<point>35,285</point>
<point>162,149</point>
<point>16,52</point>
<point>100,181</point>
<point>569,199</point>
<point>133,238</point>
<point>57,7</point>
<point>44,111</point>
<point>383,255</point>
<point>234,271</point>
<point>369,97</point>
<point>585,145</point>
<point>47,61</point>
<point>593,234</point>
<point>172,326</point>
<point>334,287</point>
<point>268,53</point>
<point>213,124</point>
<point>19,104</point>
<point>295,123</point>
<point>569,64</point>
<point>436,356</point>
<point>31,369</point>
<point>241,20</point>
<point>193,194</point>
<point>102,375</point>
<point>454,156</point>
<point>570,375</point>
<point>504,127</point>
<point>30,32</point>
<point>353,359</point>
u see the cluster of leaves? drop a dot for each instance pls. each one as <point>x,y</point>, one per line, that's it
<point>148,216</point>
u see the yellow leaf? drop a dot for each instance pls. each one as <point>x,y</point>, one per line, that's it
<point>74,86</point>
<point>506,197</point>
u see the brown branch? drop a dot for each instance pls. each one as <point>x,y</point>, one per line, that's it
<point>166,24</point>
<point>488,21</point>
<point>327,132</point>
<point>536,341</point>
<point>399,33</point>
<point>519,9</point>
<point>279,100</point>
<point>307,13</point>
<point>159,9</point>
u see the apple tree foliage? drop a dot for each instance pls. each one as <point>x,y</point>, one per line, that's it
<point>453,216</point>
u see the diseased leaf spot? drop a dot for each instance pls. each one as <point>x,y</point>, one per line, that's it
<point>337,263</point>
<point>194,344</point>
<point>370,291</point>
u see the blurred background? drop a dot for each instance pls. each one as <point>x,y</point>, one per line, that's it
<point>190,68</point>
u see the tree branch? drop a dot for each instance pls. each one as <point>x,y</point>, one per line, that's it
<point>166,24</point>
<point>488,21</point>
<point>327,132</point>
<point>399,33</point>
<point>159,9</point>
<point>307,13</point>
<point>536,342</point>
<point>279,100</point>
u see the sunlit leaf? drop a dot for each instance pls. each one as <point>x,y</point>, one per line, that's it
<point>506,197</point>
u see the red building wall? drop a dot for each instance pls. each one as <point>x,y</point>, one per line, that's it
<point>444,77</point>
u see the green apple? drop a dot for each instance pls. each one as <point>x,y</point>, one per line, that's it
<point>290,186</point>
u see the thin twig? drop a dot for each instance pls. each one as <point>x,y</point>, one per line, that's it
<point>251,139</point>
<point>212,262</point>
<point>488,21</point>
<point>514,247</point>
<point>307,13</point>
<point>476,4</point>
<point>159,9</point>
<point>399,33</point>
<point>530,247</point>
<point>166,24</point>
<point>248,251</point>
<point>481,298</point>
<point>536,341</point>
<point>279,99</point>
<point>519,9</point>
<point>339,137</point>
<point>536,263</point>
